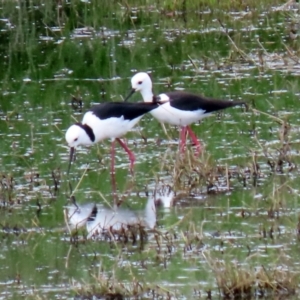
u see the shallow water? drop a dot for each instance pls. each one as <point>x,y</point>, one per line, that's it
<point>235,208</point>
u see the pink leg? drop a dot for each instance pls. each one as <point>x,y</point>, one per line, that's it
<point>112,155</point>
<point>112,170</point>
<point>194,140</point>
<point>130,154</point>
<point>182,139</point>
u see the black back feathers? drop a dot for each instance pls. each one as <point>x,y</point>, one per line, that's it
<point>127,110</point>
<point>191,102</point>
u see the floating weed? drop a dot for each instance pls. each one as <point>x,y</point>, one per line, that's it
<point>193,240</point>
<point>276,198</point>
<point>166,245</point>
<point>202,175</point>
<point>278,281</point>
<point>56,176</point>
<point>13,229</point>
<point>126,234</point>
<point>76,103</point>
<point>237,280</point>
<point>106,287</point>
<point>280,156</point>
<point>172,7</point>
<point>32,176</point>
<point>30,186</point>
<point>7,194</point>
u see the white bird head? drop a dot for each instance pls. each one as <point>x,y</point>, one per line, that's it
<point>141,82</point>
<point>77,135</point>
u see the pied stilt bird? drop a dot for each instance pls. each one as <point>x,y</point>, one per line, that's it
<point>178,107</point>
<point>107,120</point>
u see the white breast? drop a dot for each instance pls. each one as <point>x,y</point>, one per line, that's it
<point>109,128</point>
<point>165,113</point>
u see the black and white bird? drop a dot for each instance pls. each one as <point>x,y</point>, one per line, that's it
<point>110,120</point>
<point>178,107</point>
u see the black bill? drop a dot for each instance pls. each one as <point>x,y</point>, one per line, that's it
<point>72,151</point>
<point>132,91</point>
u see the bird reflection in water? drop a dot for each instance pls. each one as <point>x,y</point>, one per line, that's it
<point>102,223</point>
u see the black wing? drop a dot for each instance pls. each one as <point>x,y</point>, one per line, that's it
<point>191,102</point>
<point>128,110</point>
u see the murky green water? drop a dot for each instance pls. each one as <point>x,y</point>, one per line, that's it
<point>235,209</point>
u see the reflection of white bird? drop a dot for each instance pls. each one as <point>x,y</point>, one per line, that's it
<point>164,196</point>
<point>99,220</point>
<point>112,220</point>
<point>77,216</point>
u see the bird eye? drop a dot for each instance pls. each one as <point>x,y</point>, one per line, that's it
<point>75,139</point>
<point>140,82</point>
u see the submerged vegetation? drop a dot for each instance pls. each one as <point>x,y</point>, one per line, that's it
<point>229,225</point>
